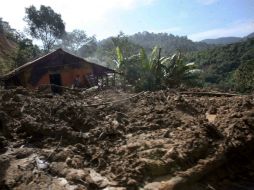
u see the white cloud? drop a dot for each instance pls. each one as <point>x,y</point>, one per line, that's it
<point>207,2</point>
<point>75,13</point>
<point>237,29</point>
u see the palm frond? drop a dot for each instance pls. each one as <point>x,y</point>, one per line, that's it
<point>120,58</point>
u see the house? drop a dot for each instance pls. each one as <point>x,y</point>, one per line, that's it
<point>58,68</point>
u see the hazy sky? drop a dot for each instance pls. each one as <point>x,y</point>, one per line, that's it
<point>198,19</point>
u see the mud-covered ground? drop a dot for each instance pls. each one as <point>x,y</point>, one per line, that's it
<point>114,140</point>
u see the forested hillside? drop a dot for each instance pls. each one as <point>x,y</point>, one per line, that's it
<point>15,48</point>
<point>221,63</point>
<point>251,35</point>
<point>7,47</point>
<point>168,42</point>
<point>222,41</point>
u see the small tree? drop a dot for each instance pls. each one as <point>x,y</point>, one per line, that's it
<point>45,25</point>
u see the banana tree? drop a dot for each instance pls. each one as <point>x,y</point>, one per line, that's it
<point>176,71</point>
<point>155,72</point>
<point>152,70</point>
<point>129,67</point>
<point>120,60</point>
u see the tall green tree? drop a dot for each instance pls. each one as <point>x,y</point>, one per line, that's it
<point>44,24</point>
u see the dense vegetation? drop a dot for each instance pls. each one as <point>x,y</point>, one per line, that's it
<point>15,48</point>
<point>155,72</point>
<point>6,47</point>
<point>220,64</point>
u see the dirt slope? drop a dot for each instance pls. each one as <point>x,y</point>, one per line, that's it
<point>155,140</point>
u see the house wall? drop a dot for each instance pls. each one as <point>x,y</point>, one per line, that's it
<point>68,75</point>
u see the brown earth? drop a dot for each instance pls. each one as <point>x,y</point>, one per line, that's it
<point>154,140</point>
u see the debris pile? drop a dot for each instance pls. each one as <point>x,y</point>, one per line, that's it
<point>115,140</point>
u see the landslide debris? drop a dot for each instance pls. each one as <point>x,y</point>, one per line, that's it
<point>153,140</point>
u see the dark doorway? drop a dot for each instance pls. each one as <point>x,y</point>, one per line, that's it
<point>55,79</point>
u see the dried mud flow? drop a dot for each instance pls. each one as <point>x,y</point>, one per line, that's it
<point>155,140</point>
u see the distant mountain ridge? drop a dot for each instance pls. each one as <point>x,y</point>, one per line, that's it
<point>227,40</point>
<point>251,35</point>
<point>168,42</point>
